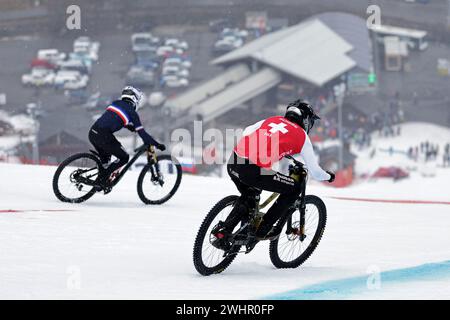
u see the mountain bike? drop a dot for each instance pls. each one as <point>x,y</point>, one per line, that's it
<point>77,178</point>
<point>302,226</point>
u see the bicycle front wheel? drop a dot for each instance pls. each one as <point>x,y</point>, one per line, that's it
<point>157,183</point>
<point>75,177</point>
<point>290,250</point>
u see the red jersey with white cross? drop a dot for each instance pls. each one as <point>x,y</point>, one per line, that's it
<point>274,138</point>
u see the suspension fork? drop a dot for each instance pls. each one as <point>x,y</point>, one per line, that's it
<point>154,165</point>
<point>302,209</point>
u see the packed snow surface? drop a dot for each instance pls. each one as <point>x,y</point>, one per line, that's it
<point>113,246</point>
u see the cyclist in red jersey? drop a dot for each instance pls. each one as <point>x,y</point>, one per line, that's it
<point>263,145</point>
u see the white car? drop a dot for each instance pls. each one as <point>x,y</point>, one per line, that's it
<point>78,82</point>
<point>63,76</point>
<point>143,41</point>
<point>174,81</point>
<point>84,45</point>
<point>236,32</point>
<point>175,71</point>
<point>87,42</point>
<point>177,62</point>
<point>83,50</point>
<point>228,42</point>
<point>179,44</point>
<point>77,64</point>
<point>51,55</point>
<point>38,77</point>
<point>235,41</point>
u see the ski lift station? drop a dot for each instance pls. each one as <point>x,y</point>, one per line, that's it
<point>309,58</point>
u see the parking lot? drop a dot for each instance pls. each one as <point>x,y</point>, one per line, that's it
<point>108,75</point>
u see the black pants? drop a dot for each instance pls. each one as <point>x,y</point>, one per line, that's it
<point>245,175</point>
<point>106,145</point>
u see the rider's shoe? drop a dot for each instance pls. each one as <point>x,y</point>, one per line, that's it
<point>103,184</point>
<point>221,235</point>
<point>268,232</point>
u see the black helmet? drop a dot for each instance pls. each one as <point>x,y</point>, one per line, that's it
<point>301,113</point>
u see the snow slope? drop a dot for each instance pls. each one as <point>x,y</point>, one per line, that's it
<point>412,134</point>
<point>113,246</point>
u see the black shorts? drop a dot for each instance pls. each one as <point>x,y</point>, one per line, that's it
<point>106,145</point>
<point>247,174</point>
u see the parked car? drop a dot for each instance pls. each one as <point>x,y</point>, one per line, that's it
<point>63,76</point>
<point>77,82</point>
<point>235,41</point>
<point>147,59</point>
<point>177,62</point>
<point>176,43</point>
<point>80,57</point>
<point>84,45</point>
<point>76,65</point>
<point>219,24</point>
<point>234,32</point>
<point>40,63</point>
<point>165,51</point>
<point>144,41</point>
<point>173,81</point>
<point>38,77</point>
<point>35,110</point>
<point>175,70</point>
<point>140,76</point>
<point>51,55</point>
<point>221,47</point>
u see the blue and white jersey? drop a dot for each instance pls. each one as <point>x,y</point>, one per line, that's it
<point>120,114</point>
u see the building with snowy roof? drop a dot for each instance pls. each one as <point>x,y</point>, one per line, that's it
<point>316,54</point>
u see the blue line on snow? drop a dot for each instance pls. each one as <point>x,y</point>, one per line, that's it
<point>343,288</point>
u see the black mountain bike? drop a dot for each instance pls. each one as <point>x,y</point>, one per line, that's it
<point>302,228</point>
<point>76,178</point>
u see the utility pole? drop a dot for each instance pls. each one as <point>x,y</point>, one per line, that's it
<point>339,92</point>
<point>37,125</point>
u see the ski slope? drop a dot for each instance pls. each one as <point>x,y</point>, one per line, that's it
<point>113,246</point>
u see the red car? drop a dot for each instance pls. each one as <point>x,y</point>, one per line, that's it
<point>43,64</point>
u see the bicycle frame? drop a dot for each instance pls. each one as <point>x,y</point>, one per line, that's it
<point>302,176</point>
<point>151,159</point>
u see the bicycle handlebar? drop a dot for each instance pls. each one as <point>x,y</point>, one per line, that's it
<point>143,147</point>
<point>296,162</point>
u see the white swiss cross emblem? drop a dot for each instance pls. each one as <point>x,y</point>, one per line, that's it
<point>278,127</point>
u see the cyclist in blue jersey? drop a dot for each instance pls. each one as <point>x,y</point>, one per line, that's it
<point>119,114</point>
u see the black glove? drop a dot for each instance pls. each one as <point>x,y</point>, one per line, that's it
<point>160,147</point>
<point>130,127</point>
<point>332,176</point>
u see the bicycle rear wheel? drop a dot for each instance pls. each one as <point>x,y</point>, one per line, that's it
<point>207,258</point>
<point>75,177</point>
<point>289,251</point>
<point>155,188</point>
